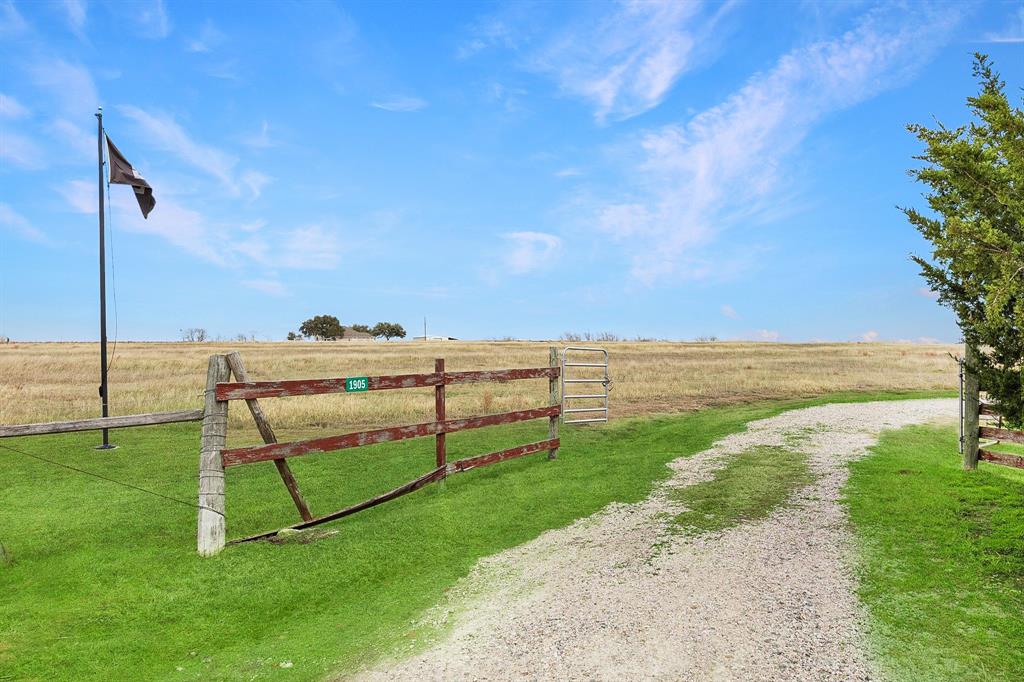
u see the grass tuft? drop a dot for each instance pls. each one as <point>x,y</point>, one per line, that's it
<point>751,486</point>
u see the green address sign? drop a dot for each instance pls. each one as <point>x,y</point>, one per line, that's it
<point>356,384</point>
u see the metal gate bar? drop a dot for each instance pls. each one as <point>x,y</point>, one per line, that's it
<point>584,357</point>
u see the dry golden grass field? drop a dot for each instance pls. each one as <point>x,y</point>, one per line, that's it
<point>51,381</point>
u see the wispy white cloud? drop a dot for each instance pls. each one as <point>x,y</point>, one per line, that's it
<point>208,38</point>
<point>164,133</point>
<point>12,24</point>
<point>255,181</point>
<point>262,139</point>
<point>80,195</point>
<point>227,69</point>
<point>730,312</point>
<point>568,173</point>
<point>70,85</point>
<point>1013,31</point>
<point>224,243</point>
<point>20,151</point>
<point>869,336</point>
<point>272,287</point>
<point>509,97</point>
<point>183,227</point>
<point>767,335</point>
<point>530,251</point>
<point>693,180</point>
<point>254,226</point>
<point>928,293</point>
<point>488,32</point>
<point>924,340</point>
<point>74,97</point>
<point>400,103</point>
<point>75,13</point>
<point>625,62</point>
<point>309,248</point>
<point>14,222</point>
<point>151,20</point>
<point>623,58</point>
<point>313,247</point>
<point>11,108</point>
<point>74,137</point>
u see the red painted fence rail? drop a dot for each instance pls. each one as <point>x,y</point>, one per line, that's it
<point>262,453</point>
<point>250,391</point>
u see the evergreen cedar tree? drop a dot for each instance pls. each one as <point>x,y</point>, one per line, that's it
<point>975,180</point>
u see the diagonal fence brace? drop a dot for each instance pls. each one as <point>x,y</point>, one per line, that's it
<point>269,437</point>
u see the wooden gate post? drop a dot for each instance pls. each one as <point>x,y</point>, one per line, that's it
<point>439,415</point>
<point>211,532</point>
<point>553,400</point>
<point>972,410</point>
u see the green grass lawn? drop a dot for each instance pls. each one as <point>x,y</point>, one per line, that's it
<point>1011,448</point>
<point>101,582</point>
<point>941,559</point>
<point>749,487</point>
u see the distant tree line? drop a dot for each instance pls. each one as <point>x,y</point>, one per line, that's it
<point>329,328</point>
<point>588,336</point>
<point>194,335</point>
<point>200,335</point>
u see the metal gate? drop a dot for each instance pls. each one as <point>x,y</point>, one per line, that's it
<point>580,357</point>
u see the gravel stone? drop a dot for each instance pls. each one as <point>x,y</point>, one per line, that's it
<point>619,596</point>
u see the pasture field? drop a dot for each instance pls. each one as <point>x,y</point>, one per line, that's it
<point>102,582</point>
<point>52,381</point>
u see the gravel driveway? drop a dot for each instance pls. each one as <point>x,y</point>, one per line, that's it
<point>617,596</point>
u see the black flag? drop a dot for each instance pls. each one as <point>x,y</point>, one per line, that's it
<point>122,173</point>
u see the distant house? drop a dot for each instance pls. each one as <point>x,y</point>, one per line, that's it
<point>353,335</point>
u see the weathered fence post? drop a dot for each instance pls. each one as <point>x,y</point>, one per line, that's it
<point>267,432</point>
<point>553,400</point>
<point>972,410</point>
<point>210,536</point>
<point>960,424</point>
<point>439,416</point>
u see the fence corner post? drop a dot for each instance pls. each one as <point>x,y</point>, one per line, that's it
<point>972,410</point>
<point>211,531</point>
<point>553,400</point>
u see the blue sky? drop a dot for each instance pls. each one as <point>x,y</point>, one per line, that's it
<point>517,169</point>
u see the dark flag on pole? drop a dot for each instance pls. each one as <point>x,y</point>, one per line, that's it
<point>122,173</point>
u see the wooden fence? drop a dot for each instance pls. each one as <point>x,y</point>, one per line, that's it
<point>99,423</point>
<point>973,431</point>
<point>215,457</point>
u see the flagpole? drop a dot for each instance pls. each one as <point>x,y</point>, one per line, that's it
<point>103,282</point>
